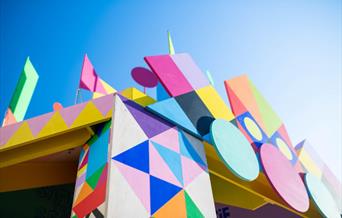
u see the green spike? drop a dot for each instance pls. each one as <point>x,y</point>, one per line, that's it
<point>211,80</point>
<point>24,90</point>
<point>171,48</point>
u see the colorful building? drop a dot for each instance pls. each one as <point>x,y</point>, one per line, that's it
<point>184,154</point>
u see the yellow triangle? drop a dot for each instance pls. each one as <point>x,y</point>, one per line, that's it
<point>107,87</point>
<point>137,94</point>
<point>88,114</point>
<point>97,95</point>
<point>85,192</point>
<point>54,125</point>
<point>127,93</point>
<point>23,134</point>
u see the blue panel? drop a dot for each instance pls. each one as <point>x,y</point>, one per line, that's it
<point>161,92</point>
<point>188,150</point>
<point>136,157</point>
<point>98,152</point>
<point>161,192</point>
<point>172,159</point>
<point>170,110</point>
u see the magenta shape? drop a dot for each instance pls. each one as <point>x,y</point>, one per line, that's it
<point>69,114</point>
<point>169,75</point>
<point>150,124</point>
<point>190,70</point>
<point>36,124</point>
<point>89,78</point>
<point>144,77</point>
<point>7,131</point>
<point>284,178</point>
<point>104,104</point>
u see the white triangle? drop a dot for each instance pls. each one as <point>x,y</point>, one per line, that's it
<point>200,192</point>
<point>126,132</point>
<point>121,199</point>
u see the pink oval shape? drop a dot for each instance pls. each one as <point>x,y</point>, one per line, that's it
<point>144,77</point>
<point>284,178</point>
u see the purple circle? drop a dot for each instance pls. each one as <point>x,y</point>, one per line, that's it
<point>144,77</point>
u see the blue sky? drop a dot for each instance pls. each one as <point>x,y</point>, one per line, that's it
<point>290,49</point>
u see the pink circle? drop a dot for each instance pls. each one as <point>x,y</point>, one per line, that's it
<point>283,178</point>
<point>144,77</point>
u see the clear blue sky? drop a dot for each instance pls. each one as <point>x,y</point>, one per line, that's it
<point>290,49</point>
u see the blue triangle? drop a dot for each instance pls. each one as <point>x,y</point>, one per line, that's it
<point>188,150</point>
<point>161,192</point>
<point>172,159</point>
<point>161,92</point>
<point>136,157</point>
<point>170,110</point>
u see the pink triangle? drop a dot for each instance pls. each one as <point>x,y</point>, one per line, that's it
<point>99,87</point>
<point>159,168</point>
<point>104,104</point>
<point>69,114</point>
<point>168,139</point>
<point>237,107</point>
<point>36,124</point>
<point>7,131</point>
<point>191,170</point>
<point>139,182</point>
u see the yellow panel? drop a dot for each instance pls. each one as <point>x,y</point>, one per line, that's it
<point>90,112</point>
<point>44,147</point>
<point>107,87</point>
<point>97,95</point>
<point>137,96</point>
<point>309,164</point>
<point>36,174</point>
<point>214,103</point>
<point>230,194</point>
<point>23,134</point>
<point>55,124</point>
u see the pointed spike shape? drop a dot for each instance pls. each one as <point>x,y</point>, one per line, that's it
<point>23,93</point>
<point>210,78</point>
<point>171,48</point>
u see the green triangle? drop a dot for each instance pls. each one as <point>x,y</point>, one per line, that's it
<point>92,180</point>
<point>192,210</point>
<point>171,48</point>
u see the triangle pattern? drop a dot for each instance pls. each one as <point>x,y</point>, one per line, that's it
<point>191,170</point>
<point>56,123</point>
<point>191,208</point>
<point>172,159</point>
<point>124,125</point>
<point>139,182</point>
<point>37,123</point>
<point>169,139</point>
<point>173,208</point>
<point>136,157</point>
<point>89,111</point>
<point>160,169</point>
<point>197,145</point>
<point>104,104</point>
<point>151,124</point>
<point>170,110</point>
<point>84,160</point>
<point>69,114</point>
<point>187,149</point>
<point>161,192</point>
<point>22,133</point>
<point>7,132</point>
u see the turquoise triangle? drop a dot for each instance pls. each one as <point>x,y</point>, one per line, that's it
<point>188,150</point>
<point>172,159</point>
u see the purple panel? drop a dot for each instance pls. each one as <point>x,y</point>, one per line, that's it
<point>36,124</point>
<point>105,103</point>
<point>144,77</point>
<point>69,114</point>
<point>7,131</point>
<point>151,124</point>
<point>169,75</point>
<point>191,71</point>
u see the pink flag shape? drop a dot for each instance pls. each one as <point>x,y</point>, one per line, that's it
<point>89,79</point>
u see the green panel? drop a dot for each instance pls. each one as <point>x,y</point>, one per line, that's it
<point>53,201</point>
<point>192,210</point>
<point>24,90</point>
<point>171,48</point>
<point>271,120</point>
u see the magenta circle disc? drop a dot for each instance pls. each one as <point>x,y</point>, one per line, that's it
<point>144,77</point>
<point>284,178</point>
